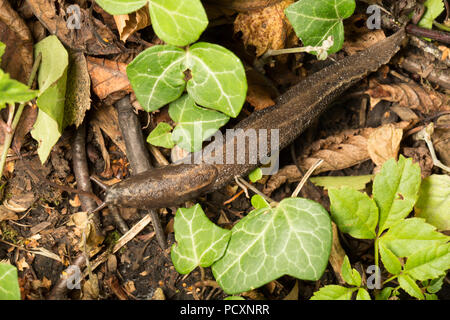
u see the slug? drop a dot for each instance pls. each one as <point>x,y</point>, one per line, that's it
<point>293,112</point>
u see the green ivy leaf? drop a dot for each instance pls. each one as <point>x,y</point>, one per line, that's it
<point>411,235</point>
<point>362,294</point>
<point>9,284</point>
<point>259,202</point>
<point>429,262</point>
<point>354,182</point>
<point>178,22</point>
<point>410,286</point>
<point>292,239</point>
<point>121,6</point>
<point>157,77</point>
<point>199,241</point>
<point>315,21</point>
<point>395,190</point>
<point>52,79</point>
<point>333,292</point>
<point>390,261</point>
<point>161,136</point>
<point>255,175</point>
<point>433,9</point>
<point>194,124</point>
<point>434,201</point>
<point>354,212</point>
<point>218,78</point>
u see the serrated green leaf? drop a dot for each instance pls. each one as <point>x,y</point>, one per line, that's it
<point>255,175</point>
<point>429,262</point>
<point>333,292</point>
<point>354,212</point>
<point>55,60</point>
<point>362,294</point>
<point>13,91</point>
<point>430,296</point>
<point>435,285</point>
<point>350,276</point>
<point>46,133</point>
<point>390,261</point>
<point>161,136</point>
<point>411,235</point>
<point>315,21</point>
<point>384,294</point>
<point>218,78</point>
<point>292,239</point>
<point>434,201</point>
<point>259,202</point>
<point>354,182</point>
<point>395,190</point>
<point>199,241</point>
<point>410,286</point>
<point>9,284</point>
<point>157,77</point>
<point>121,6</point>
<point>194,124</point>
<point>178,22</point>
<point>433,9</point>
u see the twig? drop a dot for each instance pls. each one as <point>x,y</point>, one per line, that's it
<point>244,185</point>
<point>425,135</point>
<point>440,36</point>
<point>9,135</point>
<point>306,177</point>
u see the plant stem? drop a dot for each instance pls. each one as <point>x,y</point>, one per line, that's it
<point>9,135</point>
<point>376,253</point>
<point>390,279</point>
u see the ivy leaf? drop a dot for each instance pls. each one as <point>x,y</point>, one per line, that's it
<point>199,241</point>
<point>350,276</point>
<point>178,22</point>
<point>434,201</point>
<point>259,202</point>
<point>218,78</point>
<point>354,212</point>
<point>315,21</point>
<point>116,7</point>
<point>434,9</point>
<point>395,190</point>
<point>13,91</point>
<point>411,235</point>
<point>292,239</point>
<point>194,124</point>
<point>255,175</point>
<point>333,292</point>
<point>429,263</point>
<point>390,261</point>
<point>9,284</point>
<point>52,79</point>
<point>161,136</point>
<point>157,77</point>
<point>362,294</point>
<point>410,286</point>
<point>354,182</point>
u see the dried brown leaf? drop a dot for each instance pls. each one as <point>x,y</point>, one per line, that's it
<point>441,139</point>
<point>409,95</point>
<point>107,119</point>
<point>6,214</point>
<point>267,28</point>
<point>127,24</point>
<point>79,32</point>
<point>26,122</point>
<point>108,77</point>
<point>18,57</point>
<point>384,143</point>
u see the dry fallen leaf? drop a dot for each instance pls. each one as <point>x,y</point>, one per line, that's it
<point>409,95</point>
<point>384,143</point>
<point>20,202</point>
<point>129,286</point>
<point>267,28</point>
<point>21,264</point>
<point>363,41</point>
<point>107,119</point>
<point>6,214</point>
<point>127,24</point>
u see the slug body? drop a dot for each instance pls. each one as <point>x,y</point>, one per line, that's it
<point>294,111</point>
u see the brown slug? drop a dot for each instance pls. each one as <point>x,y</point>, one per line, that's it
<point>294,111</point>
